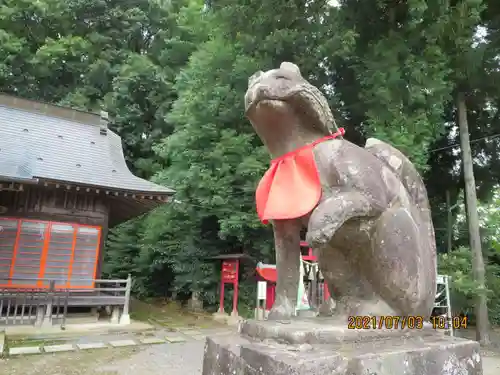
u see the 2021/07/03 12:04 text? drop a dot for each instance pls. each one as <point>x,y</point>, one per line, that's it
<point>405,322</point>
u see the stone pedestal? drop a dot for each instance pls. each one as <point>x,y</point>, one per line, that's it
<point>233,320</point>
<point>326,347</point>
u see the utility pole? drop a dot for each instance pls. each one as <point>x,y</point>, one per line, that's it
<point>449,229</point>
<point>481,307</point>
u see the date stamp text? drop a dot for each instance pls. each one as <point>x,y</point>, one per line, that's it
<point>367,322</point>
<point>385,322</point>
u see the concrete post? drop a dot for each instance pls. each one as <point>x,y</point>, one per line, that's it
<point>47,320</point>
<point>125,317</point>
<point>115,315</point>
<point>40,313</point>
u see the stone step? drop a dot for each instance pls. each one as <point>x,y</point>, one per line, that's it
<point>25,350</point>
<point>323,331</point>
<point>58,348</point>
<point>307,313</point>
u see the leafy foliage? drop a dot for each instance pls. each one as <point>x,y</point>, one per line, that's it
<point>401,72</point>
<point>458,265</point>
<point>214,157</point>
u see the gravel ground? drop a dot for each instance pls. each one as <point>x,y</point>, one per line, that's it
<point>172,359</point>
<point>74,363</point>
<point>177,359</point>
<point>491,365</point>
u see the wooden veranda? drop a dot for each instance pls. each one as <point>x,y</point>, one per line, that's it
<point>50,306</point>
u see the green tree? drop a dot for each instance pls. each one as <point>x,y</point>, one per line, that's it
<point>214,158</point>
<point>120,56</point>
<point>472,44</point>
<point>142,93</point>
<point>421,73</point>
<point>395,82</point>
<point>464,289</point>
<point>458,264</point>
<point>473,63</point>
<point>93,55</point>
<point>393,79</point>
<point>120,258</point>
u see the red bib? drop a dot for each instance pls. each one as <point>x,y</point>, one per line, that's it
<point>291,187</point>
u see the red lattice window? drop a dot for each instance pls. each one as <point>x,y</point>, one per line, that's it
<point>34,252</point>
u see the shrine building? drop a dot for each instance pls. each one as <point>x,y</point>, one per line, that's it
<point>63,183</point>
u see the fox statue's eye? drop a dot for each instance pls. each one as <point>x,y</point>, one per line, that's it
<point>281,76</point>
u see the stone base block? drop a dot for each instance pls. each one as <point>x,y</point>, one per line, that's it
<point>220,317</point>
<point>321,351</point>
<point>124,319</point>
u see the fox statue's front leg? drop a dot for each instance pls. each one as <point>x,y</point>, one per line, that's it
<point>287,247</point>
<point>353,292</point>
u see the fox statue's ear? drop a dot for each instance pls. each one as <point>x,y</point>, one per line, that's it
<point>290,67</point>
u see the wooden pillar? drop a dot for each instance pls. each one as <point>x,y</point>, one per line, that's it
<point>221,300</point>
<point>235,285</point>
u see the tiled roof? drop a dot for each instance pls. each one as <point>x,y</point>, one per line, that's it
<point>41,141</point>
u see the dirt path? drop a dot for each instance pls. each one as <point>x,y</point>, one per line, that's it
<point>178,359</point>
<point>181,358</point>
<point>491,364</point>
<point>76,363</point>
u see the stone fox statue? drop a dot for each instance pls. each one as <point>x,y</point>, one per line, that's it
<point>365,209</point>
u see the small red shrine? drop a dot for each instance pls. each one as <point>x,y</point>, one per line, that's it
<point>230,269</point>
<point>268,273</point>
